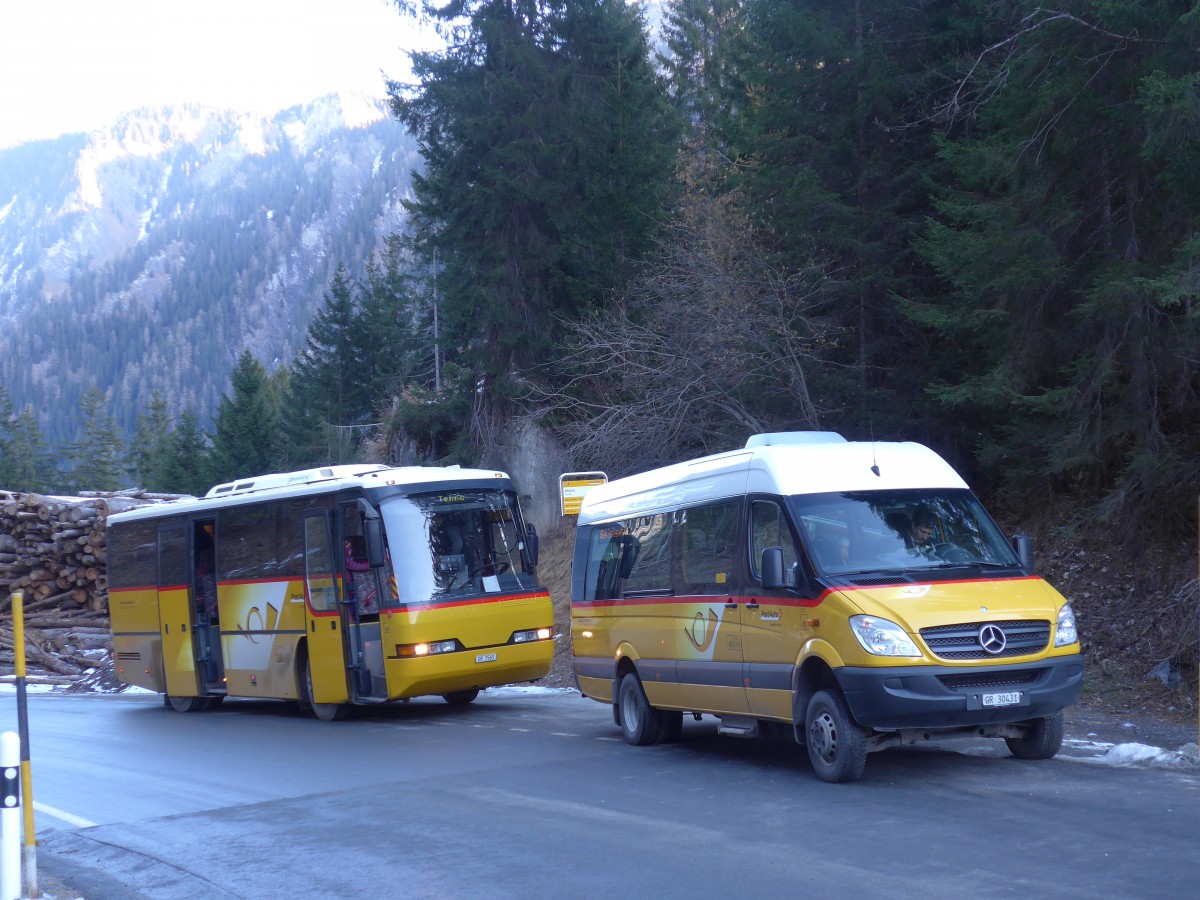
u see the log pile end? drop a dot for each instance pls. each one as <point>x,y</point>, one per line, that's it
<point>53,549</point>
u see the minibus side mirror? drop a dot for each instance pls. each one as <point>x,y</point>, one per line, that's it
<point>373,532</point>
<point>531,544</point>
<point>772,568</point>
<point>1023,545</point>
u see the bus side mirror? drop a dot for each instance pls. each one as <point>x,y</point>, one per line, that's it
<point>1023,545</point>
<point>531,544</point>
<point>374,534</point>
<point>772,568</point>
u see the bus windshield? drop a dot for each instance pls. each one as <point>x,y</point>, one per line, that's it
<point>865,531</point>
<point>455,543</point>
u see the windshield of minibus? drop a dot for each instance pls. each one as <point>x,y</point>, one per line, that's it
<point>454,543</point>
<point>868,531</point>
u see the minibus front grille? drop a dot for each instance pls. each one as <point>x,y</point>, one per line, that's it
<point>974,681</point>
<point>961,642</point>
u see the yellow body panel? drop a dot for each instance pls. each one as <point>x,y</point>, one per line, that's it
<point>137,638</point>
<point>783,634</point>
<point>261,625</point>
<point>483,628</point>
<point>178,643</point>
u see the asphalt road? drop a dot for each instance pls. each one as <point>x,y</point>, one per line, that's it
<point>535,795</point>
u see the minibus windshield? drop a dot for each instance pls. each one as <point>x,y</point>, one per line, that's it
<point>866,531</point>
<point>454,543</point>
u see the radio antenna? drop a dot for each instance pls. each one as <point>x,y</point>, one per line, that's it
<point>874,461</point>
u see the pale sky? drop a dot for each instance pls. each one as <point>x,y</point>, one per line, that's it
<point>75,65</point>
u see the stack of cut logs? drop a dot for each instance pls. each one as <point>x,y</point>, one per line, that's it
<point>52,549</point>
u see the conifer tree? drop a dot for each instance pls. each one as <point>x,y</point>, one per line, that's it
<point>31,466</point>
<point>150,451</point>
<point>547,142</point>
<point>187,470</point>
<point>328,382</point>
<point>96,454</point>
<point>247,424</point>
<point>7,424</point>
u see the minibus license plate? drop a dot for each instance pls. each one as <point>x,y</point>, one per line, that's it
<point>485,657</point>
<point>1010,698</point>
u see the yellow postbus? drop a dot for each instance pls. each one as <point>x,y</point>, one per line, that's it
<point>332,587</point>
<point>856,595</point>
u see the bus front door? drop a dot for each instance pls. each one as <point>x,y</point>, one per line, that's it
<point>327,684</point>
<point>176,613</point>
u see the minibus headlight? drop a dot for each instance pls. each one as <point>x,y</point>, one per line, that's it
<point>882,637</point>
<point>1066,633</point>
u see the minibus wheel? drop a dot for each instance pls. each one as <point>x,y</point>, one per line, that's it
<point>461,698</point>
<point>1042,740</point>
<point>837,745</point>
<point>641,723</point>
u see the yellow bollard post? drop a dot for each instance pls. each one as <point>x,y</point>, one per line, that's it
<point>17,602</point>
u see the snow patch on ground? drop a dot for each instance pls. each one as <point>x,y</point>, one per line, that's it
<point>1134,755</point>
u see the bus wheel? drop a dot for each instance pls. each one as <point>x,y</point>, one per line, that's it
<point>837,745</point>
<point>461,698</point>
<point>641,723</point>
<point>1042,741</point>
<point>187,704</point>
<point>326,712</point>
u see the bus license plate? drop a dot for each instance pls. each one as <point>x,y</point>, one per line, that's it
<point>485,657</point>
<point>1010,698</point>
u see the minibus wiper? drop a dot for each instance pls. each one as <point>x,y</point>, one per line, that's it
<point>874,572</point>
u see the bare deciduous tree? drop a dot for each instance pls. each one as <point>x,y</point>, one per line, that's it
<point>713,344</point>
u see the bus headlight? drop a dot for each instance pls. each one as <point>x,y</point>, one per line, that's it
<point>881,637</point>
<point>1066,632</point>
<point>534,634</point>
<point>407,651</point>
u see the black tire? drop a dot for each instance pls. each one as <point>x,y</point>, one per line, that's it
<point>837,745</point>
<point>461,698</point>
<point>1043,740</point>
<point>326,712</point>
<point>641,723</point>
<point>187,704</point>
<point>672,726</point>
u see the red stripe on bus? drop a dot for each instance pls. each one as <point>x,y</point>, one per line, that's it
<point>782,601</point>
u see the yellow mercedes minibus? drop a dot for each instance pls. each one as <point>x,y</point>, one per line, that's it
<point>334,586</point>
<point>857,593</point>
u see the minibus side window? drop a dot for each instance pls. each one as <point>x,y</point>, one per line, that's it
<point>652,568</point>
<point>709,546</point>
<point>769,528</point>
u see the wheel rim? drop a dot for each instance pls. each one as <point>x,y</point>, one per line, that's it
<point>822,735</point>
<point>629,711</point>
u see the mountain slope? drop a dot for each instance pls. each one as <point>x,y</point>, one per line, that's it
<point>147,257</point>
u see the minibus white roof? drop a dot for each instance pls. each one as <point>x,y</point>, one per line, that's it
<point>773,464</point>
<point>309,482</point>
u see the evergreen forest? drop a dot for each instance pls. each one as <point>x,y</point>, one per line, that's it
<point>972,224</point>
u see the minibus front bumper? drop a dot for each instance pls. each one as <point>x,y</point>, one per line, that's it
<point>955,696</point>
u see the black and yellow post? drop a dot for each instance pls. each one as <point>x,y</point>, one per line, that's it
<point>18,623</point>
